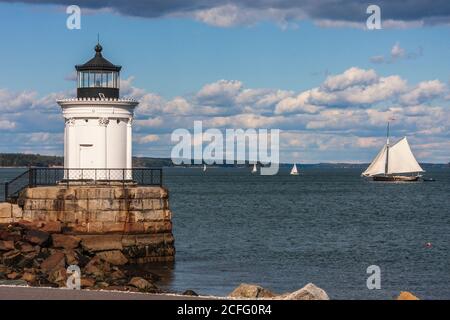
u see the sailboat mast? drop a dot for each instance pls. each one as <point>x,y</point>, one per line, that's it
<point>386,166</point>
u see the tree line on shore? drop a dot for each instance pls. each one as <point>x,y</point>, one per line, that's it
<point>37,160</point>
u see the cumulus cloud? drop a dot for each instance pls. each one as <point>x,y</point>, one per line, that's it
<point>397,53</point>
<point>147,138</point>
<point>354,87</point>
<point>227,13</point>
<point>16,101</point>
<point>7,125</point>
<point>341,119</point>
<point>351,77</point>
<point>424,91</point>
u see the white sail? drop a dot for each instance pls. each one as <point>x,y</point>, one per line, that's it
<point>378,164</point>
<point>254,168</point>
<point>400,159</point>
<point>294,169</point>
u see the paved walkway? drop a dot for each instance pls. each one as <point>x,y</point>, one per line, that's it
<point>35,293</point>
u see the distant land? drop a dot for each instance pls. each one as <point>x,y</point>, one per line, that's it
<point>37,160</point>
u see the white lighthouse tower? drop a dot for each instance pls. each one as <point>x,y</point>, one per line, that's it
<point>98,123</point>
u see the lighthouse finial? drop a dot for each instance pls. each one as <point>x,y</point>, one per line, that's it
<point>98,47</point>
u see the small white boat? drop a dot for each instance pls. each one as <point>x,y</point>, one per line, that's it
<point>254,170</point>
<point>204,167</point>
<point>294,170</point>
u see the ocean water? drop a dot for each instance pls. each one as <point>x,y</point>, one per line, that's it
<point>324,226</point>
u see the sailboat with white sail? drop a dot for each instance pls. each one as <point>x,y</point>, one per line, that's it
<point>395,162</point>
<point>294,171</point>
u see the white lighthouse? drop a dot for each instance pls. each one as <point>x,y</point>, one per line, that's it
<point>98,123</point>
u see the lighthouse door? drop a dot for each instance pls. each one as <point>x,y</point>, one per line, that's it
<point>87,157</point>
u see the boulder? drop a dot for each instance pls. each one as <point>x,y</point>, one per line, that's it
<point>29,277</point>
<point>102,285</point>
<point>114,257</point>
<point>56,260</point>
<point>190,293</point>
<point>142,284</point>
<point>26,247</point>
<point>245,290</point>
<point>405,295</point>
<point>87,282</point>
<point>71,257</point>
<point>26,260</point>
<point>97,267</point>
<point>58,276</point>
<point>117,275</point>
<point>6,245</point>
<point>13,275</point>
<point>11,258</point>
<point>65,241</point>
<point>37,237</point>
<point>308,292</point>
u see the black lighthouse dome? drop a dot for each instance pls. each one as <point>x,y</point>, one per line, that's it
<point>98,78</point>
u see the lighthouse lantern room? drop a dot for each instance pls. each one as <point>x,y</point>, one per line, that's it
<point>98,123</point>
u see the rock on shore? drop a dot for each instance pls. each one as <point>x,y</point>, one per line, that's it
<point>245,290</point>
<point>39,258</point>
<point>253,291</point>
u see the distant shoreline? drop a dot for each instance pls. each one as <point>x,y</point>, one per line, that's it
<point>20,160</point>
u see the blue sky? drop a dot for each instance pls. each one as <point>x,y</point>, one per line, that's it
<point>187,65</point>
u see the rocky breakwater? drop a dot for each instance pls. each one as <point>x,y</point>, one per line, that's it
<point>40,258</point>
<point>134,220</point>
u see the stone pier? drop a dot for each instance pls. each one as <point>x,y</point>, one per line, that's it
<point>133,219</point>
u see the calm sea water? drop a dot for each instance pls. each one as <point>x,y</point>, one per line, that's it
<point>324,226</point>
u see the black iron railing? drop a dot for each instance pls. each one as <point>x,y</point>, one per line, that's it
<point>52,176</point>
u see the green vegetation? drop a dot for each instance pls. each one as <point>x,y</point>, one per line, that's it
<point>37,160</point>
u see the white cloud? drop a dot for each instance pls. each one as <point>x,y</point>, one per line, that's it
<point>16,101</point>
<point>150,122</point>
<point>39,137</point>
<point>424,91</point>
<point>230,15</point>
<point>384,88</point>
<point>298,104</point>
<point>220,93</point>
<point>147,138</point>
<point>397,53</point>
<point>7,125</point>
<point>351,77</point>
<point>341,119</point>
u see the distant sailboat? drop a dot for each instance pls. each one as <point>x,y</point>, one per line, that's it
<point>393,162</point>
<point>254,170</point>
<point>294,170</point>
<point>204,167</point>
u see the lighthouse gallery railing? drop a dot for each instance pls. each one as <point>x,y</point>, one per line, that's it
<point>34,177</point>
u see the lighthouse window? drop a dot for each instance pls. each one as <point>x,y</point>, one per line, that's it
<point>91,79</point>
<point>98,79</point>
